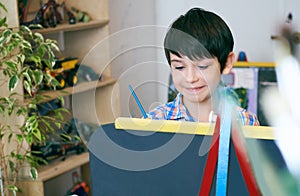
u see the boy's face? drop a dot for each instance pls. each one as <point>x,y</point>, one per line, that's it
<point>196,80</point>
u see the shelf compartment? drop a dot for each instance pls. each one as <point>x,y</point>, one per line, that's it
<point>60,167</point>
<point>81,87</point>
<point>73,27</point>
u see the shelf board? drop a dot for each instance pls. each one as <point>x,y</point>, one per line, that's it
<point>81,87</point>
<point>73,27</point>
<point>60,167</point>
<point>253,64</point>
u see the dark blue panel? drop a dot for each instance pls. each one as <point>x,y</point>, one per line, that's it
<point>182,176</point>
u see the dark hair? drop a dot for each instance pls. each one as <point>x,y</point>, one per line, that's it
<point>197,34</point>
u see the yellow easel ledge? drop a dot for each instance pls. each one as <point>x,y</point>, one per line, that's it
<point>170,126</point>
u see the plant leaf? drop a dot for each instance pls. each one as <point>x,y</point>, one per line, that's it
<point>39,37</point>
<point>19,137</point>
<point>58,124</point>
<point>21,58</point>
<point>11,166</point>
<point>25,29</point>
<point>13,81</point>
<point>36,59</point>
<point>38,77</point>
<point>37,134</point>
<point>7,34</point>
<point>26,45</point>
<point>3,22</point>
<point>27,76</point>
<point>12,65</point>
<point>62,100</point>
<point>34,173</point>
<point>55,47</point>
<point>3,7</point>
<point>11,105</point>
<point>47,124</point>
<point>2,109</point>
<point>13,189</point>
<point>27,87</point>
<point>9,137</point>
<point>29,138</point>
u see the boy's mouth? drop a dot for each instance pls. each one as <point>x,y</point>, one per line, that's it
<point>195,89</point>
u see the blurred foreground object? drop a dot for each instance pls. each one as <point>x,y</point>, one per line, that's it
<point>282,104</point>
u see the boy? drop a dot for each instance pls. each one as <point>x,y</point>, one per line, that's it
<point>198,47</point>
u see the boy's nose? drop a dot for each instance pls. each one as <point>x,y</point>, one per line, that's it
<point>192,75</point>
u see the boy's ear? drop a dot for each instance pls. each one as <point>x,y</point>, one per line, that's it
<point>229,63</point>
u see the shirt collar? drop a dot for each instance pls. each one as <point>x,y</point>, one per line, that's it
<point>181,113</point>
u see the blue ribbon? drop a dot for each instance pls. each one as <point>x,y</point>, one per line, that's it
<point>223,155</point>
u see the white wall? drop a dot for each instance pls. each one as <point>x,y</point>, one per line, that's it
<point>252,24</point>
<point>132,51</point>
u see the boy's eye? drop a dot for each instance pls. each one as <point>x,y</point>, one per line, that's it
<point>202,66</point>
<point>179,67</point>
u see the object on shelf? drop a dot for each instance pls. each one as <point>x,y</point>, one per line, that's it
<point>85,130</point>
<point>86,74</point>
<point>48,107</point>
<point>22,10</point>
<point>64,71</point>
<point>67,14</point>
<point>242,56</point>
<point>239,94</point>
<point>80,188</point>
<point>65,141</point>
<point>242,94</point>
<point>81,15</point>
<point>244,82</point>
<point>71,17</point>
<point>53,150</point>
<point>47,16</point>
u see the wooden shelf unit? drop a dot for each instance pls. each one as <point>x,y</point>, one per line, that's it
<point>79,39</point>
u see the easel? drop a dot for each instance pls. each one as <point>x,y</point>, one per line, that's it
<point>183,174</point>
<point>219,151</point>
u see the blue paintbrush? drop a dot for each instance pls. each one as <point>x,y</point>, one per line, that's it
<point>137,101</point>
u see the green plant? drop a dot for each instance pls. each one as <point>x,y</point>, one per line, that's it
<point>23,56</point>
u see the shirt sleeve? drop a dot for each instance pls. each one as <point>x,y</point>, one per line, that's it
<point>157,114</point>
<point>248,118</point>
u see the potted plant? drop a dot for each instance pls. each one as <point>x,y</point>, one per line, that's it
<point>18,130</point>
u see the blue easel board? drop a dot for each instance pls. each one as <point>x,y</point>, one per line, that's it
<point>182,176</point>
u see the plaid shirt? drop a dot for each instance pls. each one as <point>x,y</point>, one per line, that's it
<point>175,110</point>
